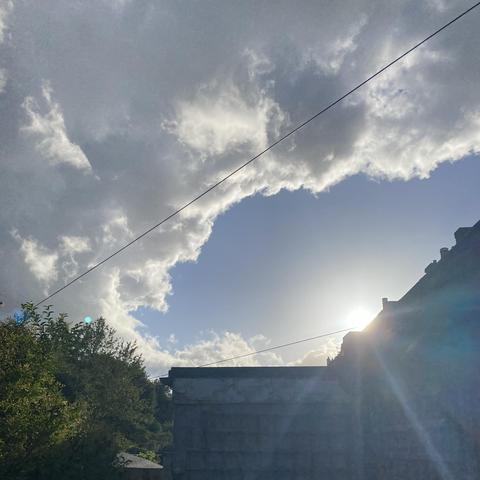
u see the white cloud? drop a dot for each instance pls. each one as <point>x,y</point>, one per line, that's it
<point>74,244</point>
<point>41,261</point>
<point>3,80</point>
<point>146,285</point>
<point>49,130</point>
<point>220,119</point>
<point>160,105</point>
<point>116,231</point>
<point>209,350</point>
<point>5,9</point>
<point>439,5</point>
<point>69,248</point>
<point>319,356</point>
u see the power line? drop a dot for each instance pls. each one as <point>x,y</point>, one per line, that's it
<point>241,167</point>
<point>256,352</point>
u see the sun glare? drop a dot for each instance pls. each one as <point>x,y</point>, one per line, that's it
<point>359,318</point>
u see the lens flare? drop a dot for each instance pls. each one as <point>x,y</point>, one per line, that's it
<point>19,316</point>
<point>88,319</point>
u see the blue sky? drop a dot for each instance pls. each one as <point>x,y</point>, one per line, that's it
<point>294,265</point>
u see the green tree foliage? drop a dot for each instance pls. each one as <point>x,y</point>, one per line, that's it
<point>34,416</point>
<point>163,412</point>
<point>73,396</point>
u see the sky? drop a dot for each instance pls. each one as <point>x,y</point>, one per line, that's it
<point>115,112</point>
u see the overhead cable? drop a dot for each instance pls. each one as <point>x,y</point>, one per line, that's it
<point>248,162</point>
<point>269,349</point>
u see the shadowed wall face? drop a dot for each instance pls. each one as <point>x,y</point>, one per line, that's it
<point>269,423</point>
<point>413,373</point>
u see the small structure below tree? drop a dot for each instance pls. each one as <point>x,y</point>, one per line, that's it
<point>138,468</point>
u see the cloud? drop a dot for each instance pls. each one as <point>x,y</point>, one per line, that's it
<point>69,248</point>
<point>211,349</point>
<point>331,56</point>
<point>220,119</point>
<point>49,130</point>
<point>40,260</point>
<point>116,113</point>
<point>319,356</point>
<point>72,245</point>
<point>3,80</point>
<point>5,9</point>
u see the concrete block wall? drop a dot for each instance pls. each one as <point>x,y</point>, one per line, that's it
<point>260,423</point>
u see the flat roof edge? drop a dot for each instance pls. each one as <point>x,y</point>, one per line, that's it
<point>246,372</point>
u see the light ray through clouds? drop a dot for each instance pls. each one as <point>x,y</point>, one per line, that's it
<point>116,112</point>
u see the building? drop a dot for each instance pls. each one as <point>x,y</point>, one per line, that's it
<point>414,374</point>
<point>400,401</point>
<point>270,423</point>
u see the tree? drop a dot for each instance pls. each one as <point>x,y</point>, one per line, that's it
<point>34,416</point>
<point>96,387</point>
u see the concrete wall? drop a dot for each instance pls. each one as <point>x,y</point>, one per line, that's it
<point>260,423</point>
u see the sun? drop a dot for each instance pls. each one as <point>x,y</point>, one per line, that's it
<point>359,318</point>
